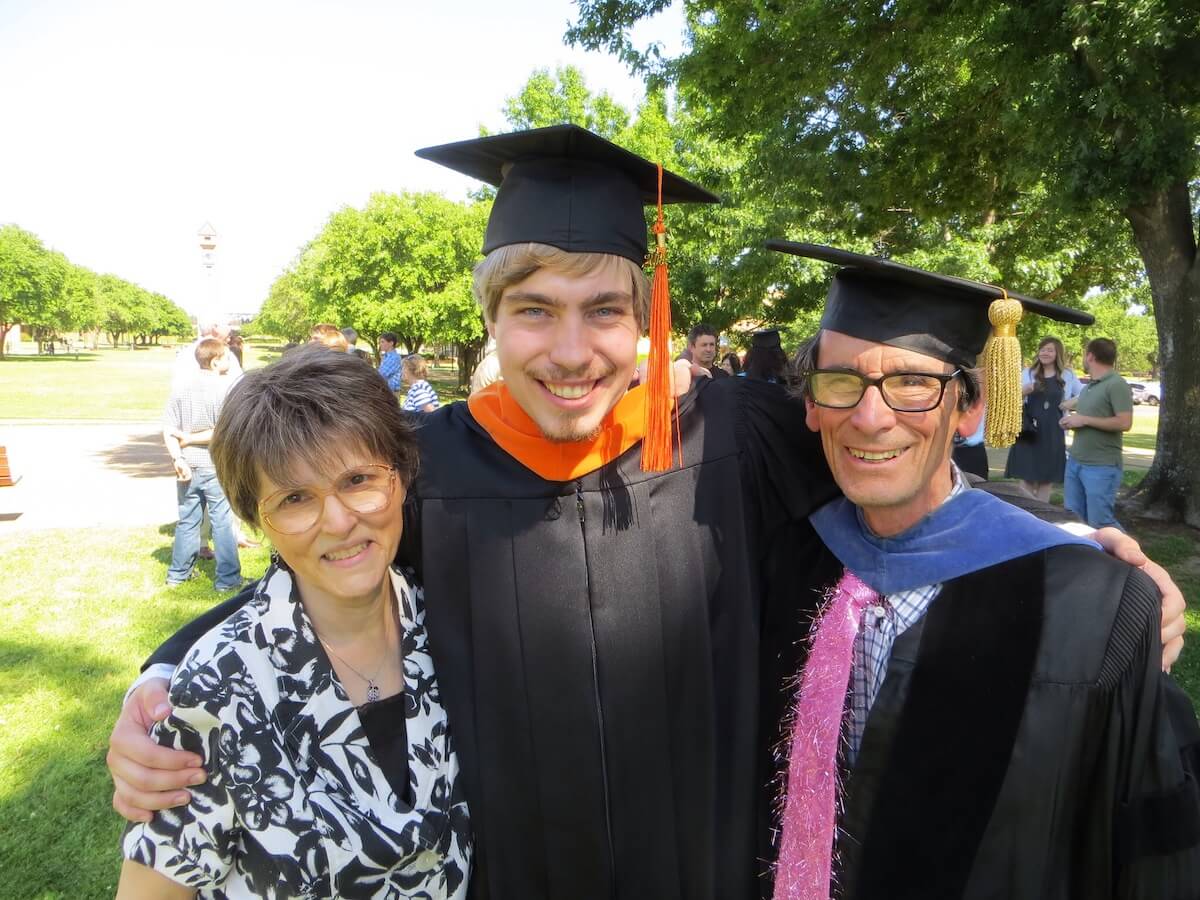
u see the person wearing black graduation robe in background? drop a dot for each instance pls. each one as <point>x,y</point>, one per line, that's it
<point>1024,742</point>
<point>595,626</point>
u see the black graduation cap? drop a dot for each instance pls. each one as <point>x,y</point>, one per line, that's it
<point>948,318</point>
<point>767,339</point>
<point>566,187</point>
<point>941,316</point>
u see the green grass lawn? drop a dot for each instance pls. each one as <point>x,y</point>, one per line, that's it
<point>123,385</point>
<point>79,611</point>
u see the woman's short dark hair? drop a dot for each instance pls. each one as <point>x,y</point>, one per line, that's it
<point>806,360</point>
<point>310,406</point>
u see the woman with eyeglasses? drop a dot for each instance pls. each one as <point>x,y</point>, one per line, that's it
<point>315,710</point>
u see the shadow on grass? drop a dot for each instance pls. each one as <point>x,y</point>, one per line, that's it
<point>58,833</point>
<point>142,456</point>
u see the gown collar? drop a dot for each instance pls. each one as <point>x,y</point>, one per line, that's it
<point>519,436</point>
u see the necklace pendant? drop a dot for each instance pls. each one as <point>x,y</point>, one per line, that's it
<point>372,691</point>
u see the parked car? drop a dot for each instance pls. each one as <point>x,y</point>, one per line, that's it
<point>1149,393</point>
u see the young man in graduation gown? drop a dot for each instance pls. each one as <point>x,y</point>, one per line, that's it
<point>595,626</point>
<point>1007,730</point>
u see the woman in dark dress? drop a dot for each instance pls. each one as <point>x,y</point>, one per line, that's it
<point>1039,457</point>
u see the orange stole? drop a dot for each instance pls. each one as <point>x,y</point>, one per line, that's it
<point>519,436</point>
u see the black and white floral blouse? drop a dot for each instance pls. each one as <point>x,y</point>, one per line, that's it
<point>296,804</point>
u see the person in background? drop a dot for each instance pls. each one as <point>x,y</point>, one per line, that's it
<point>1039,456</point>
<point>1102,412</point>
<point>765,360</point>
<point>331,767</point>
<point>237,347</point>
<point>970,454</point>
<point>329,336</point>
<point>191,414</point>
<point>185,357</point>
<point>389,361</point>
<point>731,363</point>
<point>351,337</point>
<point>488,370</point>
<point>421,397</point>
<point>702,349</point>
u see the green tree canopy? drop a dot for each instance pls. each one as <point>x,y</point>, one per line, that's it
<point>900,120</point>
<point>31,278</point>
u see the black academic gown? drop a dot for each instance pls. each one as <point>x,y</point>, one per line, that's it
<point>596,644</point>
<point>1024,743</point>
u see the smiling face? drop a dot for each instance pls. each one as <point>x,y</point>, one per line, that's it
<point>567,346</point>
<point>894,465</point>
<point>343,558</point>
<point>1048,354</point>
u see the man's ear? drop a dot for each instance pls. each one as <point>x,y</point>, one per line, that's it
<point>811,416</point>
<point>968,422</point>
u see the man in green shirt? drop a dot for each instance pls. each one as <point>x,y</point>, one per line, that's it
<point>1102,412</point>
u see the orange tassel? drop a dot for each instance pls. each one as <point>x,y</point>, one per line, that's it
<point>661,426</point>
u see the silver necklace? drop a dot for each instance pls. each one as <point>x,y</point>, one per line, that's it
<point>372,686</point>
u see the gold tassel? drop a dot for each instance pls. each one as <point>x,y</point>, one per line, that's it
<point>1002,373</point>
<point>661,427</point>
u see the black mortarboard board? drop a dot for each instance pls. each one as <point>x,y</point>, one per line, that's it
<point>566,187</point>
<point>941,316</point>
<point>767,339</point>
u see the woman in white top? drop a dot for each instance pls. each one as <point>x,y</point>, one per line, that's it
<point>331,771</point>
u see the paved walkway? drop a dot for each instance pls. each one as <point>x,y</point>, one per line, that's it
<point>74,475</point>
<point>85,475</point>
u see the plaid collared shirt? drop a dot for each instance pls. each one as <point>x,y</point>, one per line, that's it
<point>881,624</point>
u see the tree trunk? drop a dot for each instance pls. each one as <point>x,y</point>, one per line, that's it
<point>1165,235</point>
<point>468,359</point>
<point>412,342</point>
<point>5,328</point>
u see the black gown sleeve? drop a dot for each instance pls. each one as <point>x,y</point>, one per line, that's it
<point>1156,823</point>
<point>783,466</point>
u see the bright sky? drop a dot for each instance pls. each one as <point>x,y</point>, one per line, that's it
<point>129,124</point>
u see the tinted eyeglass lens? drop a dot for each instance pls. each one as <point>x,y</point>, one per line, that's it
<point>903,392</point>
<point>364,490</point>
<point>837,389</point>
<point>911,392</point>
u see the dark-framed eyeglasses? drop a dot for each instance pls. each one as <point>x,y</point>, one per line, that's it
<point>902,391</point>
<point>363,489</point>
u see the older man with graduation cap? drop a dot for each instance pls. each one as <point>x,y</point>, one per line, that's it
<point>590,553</point>
<point>1008,731</point>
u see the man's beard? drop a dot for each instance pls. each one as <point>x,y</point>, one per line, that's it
<point>566,429</point>
<point>569,436</point>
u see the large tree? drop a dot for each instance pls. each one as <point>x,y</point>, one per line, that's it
<point>31,279</point>
<point>381,268</point>
<point>902,114</point>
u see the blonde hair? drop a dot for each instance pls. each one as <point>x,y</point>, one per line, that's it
<point>506,266</point>
<point>330,336</point>
<point>414,365</point>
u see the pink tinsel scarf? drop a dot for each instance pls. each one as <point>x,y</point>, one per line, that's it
<point>810,809</point>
